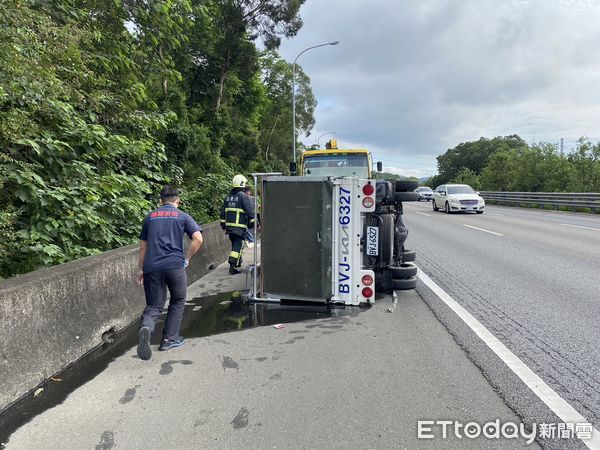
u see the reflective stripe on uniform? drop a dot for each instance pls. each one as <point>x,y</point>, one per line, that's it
<point>233,254</point>
<point>238,225</point>
<point>237,222</point>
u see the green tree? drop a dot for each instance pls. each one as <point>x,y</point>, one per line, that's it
<point>498,173</point>
<point>71,181</point>
<point>103,101</point>
<point>467,176</point>
<point>275,140</point>
<point>473,155</point>
<point>585,163</point>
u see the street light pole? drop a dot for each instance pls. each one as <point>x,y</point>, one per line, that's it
<point>324,134</point>
<point>294,91</point>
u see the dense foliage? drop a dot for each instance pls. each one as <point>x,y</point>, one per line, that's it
<point>509,164</point>
<point>103,101</point>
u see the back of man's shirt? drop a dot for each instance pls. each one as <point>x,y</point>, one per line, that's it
<point>163,230</point>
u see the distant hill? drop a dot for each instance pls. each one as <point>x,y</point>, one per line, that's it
<point>392,176</point>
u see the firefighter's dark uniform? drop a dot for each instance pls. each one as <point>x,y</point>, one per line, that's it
<point>237,215</point>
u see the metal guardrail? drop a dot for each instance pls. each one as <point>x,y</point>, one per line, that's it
<point>572,200</point>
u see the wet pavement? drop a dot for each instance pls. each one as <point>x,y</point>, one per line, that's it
<point>327,379</point>
<point>204,316</point>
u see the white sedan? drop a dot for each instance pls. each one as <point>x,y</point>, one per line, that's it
<point>457,198</point>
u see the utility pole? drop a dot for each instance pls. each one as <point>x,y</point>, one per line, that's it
<point>294,92</point>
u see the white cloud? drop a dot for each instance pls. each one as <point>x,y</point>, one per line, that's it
<point>411,79</point>
<point>407,172</point>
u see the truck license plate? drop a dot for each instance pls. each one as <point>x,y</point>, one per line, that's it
<point>372,241</point>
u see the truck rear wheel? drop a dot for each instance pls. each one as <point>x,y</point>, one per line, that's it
<point>404,270</point>
<point>383,282</point>
<point>408,255</point>
<point>405,284</point>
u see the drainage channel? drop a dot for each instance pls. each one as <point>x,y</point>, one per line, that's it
<point>204,316</point>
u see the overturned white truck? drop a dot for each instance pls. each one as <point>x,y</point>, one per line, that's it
<point>333,239</point>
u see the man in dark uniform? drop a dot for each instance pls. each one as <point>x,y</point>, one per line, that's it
<point>162,265</point>
<point>237,215</point>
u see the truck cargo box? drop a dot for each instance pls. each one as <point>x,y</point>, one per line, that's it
<point>313,239</point>
<point>296,238</point>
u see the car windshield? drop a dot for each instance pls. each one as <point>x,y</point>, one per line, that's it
<point>337,165</point>
<point>460,190</point>
<point>424,189</point>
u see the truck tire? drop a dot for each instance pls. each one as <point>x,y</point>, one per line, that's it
<point>387,239</point>
<point>383,282</point>
<point>405,284</point>
<point>404,270</point>
<point>406,196</point>
<point>408,255</point>
<point>406,185</point>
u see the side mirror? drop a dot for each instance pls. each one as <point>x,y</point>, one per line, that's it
<point>442,193</point>
<point>379,166</point>
<point>293,168</point>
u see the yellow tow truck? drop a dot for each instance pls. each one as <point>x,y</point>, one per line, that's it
<point>335,162</point>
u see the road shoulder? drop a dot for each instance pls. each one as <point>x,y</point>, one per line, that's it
<point>354,381</point>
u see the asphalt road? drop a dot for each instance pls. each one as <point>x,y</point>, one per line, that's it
<point>358,380</point>
<point>531,277</point>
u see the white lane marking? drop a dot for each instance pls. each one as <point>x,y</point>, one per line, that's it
<point>546,394</point>
<point>423,214</point>
<point>494,214</point>
<point>579,226</point>
<point>481,229</point>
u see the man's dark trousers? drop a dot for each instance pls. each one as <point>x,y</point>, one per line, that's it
<point>237,244</point>
<point>155,285</point>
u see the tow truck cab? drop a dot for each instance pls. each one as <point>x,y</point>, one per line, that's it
<point>333,162</point>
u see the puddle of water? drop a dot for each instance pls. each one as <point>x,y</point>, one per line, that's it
<point>228,312</point>
<point>204,316</point>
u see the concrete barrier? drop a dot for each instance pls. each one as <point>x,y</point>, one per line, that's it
<point>52,317</point>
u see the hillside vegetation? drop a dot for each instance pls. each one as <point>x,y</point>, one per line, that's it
<point>103,101</point>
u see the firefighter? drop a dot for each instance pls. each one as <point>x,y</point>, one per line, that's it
<point>237,215</point>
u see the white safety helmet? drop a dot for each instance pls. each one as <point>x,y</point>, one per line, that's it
<point>240,181</point>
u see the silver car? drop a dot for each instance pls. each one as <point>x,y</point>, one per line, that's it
<point>425,193</point>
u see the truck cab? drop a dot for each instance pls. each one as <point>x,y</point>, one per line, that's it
<point>334,162</point>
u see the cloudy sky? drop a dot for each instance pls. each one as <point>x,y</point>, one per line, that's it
<point>412,78</point>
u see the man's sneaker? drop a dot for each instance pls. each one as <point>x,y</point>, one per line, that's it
<point>143,349</point>
<point>167,344</point>
<point>233,270</point>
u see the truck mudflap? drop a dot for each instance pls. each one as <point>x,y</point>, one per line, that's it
<point>353,198</point>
